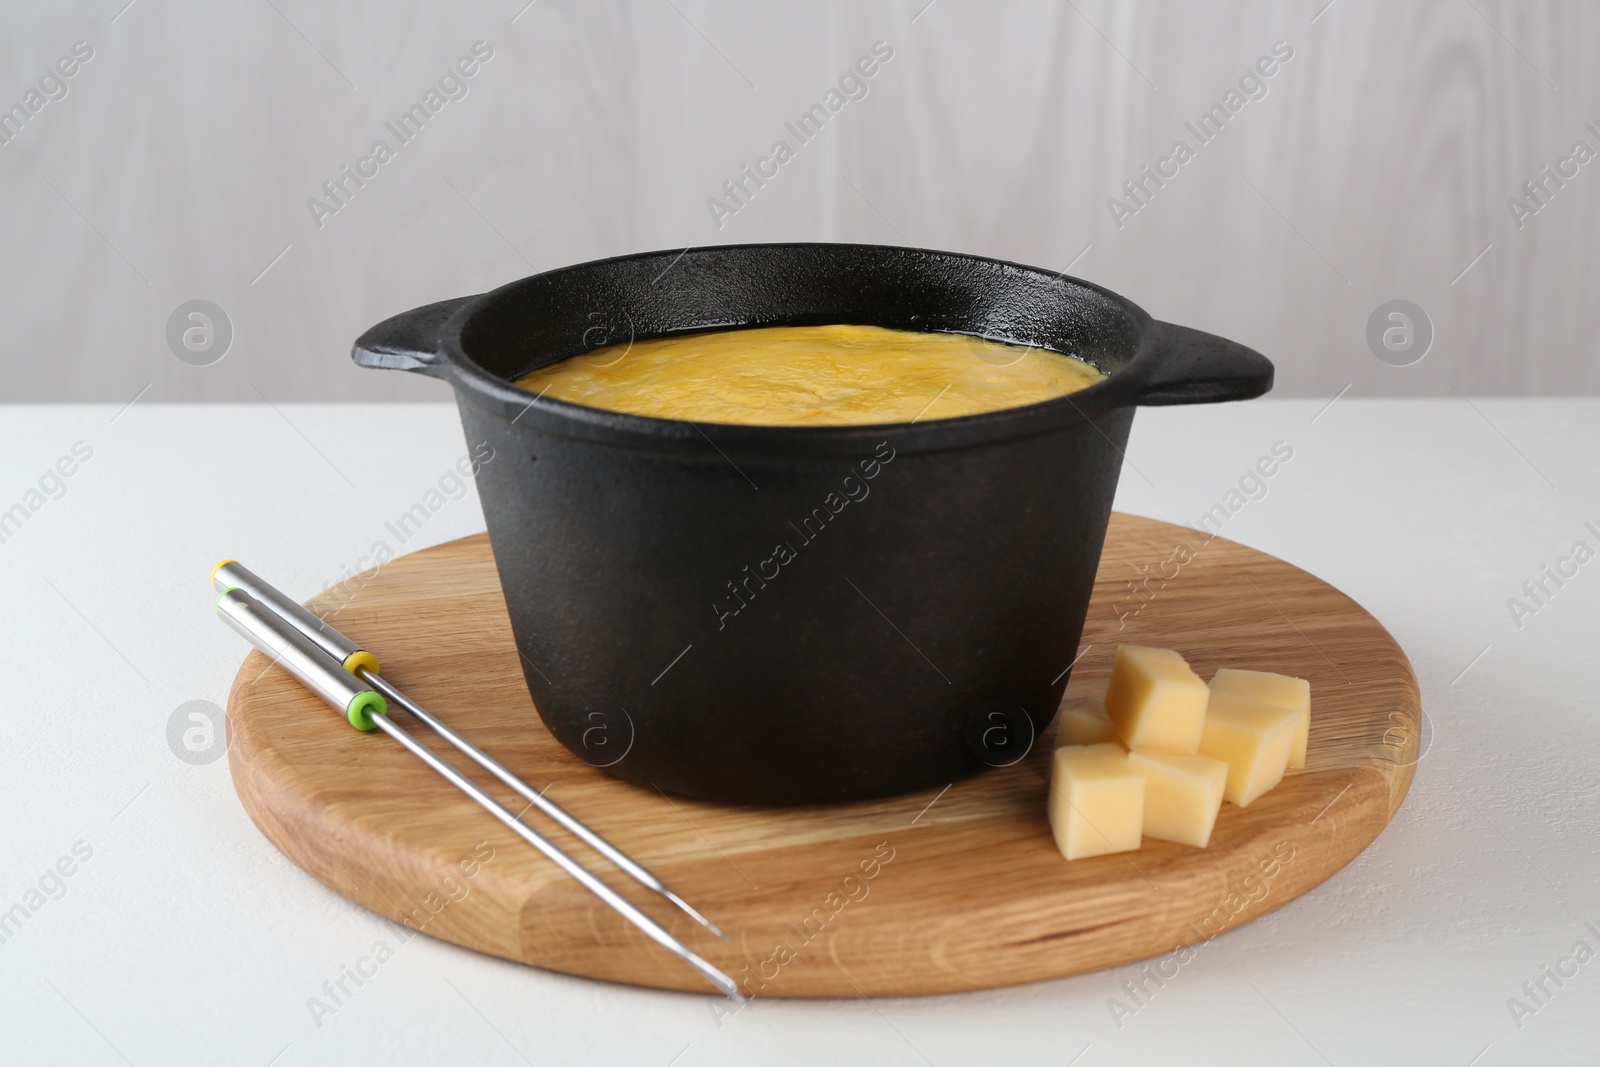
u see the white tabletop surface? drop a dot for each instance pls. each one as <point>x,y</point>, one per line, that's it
<point>185,938</point>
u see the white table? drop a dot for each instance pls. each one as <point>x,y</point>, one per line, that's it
<point>185,938</point>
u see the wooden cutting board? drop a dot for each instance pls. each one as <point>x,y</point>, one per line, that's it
<point>943,891</point>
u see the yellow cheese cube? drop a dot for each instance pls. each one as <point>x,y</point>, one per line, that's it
<point>1155,701</point>
<point>1182,795</point>
<point>1279,689</point>
<point>1253,739</point>
<point>1096,801</point>
<point>1084,722</point>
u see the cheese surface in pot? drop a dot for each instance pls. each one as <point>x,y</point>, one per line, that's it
<point>811,376</point>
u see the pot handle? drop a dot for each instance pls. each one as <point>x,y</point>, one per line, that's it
<point>1184,366</point>
<point>409,340</point>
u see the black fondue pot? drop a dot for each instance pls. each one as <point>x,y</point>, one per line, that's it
<point>782,615</point>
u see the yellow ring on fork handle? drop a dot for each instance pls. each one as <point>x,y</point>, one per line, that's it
<point>361,660</point>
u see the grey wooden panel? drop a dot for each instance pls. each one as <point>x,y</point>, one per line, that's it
<point>1377,166</point>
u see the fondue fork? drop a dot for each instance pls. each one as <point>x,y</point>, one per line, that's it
<point>366,709</point>
<point>231,574</point>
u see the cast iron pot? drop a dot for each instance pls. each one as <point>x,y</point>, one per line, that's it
<point>776,615</point>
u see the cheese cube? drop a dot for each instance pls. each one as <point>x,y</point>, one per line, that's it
<point>1096,801</point>
<point>1253,739</point>
<point>1182,795</point>
<point>1084,722</point>
<point>1279,689</point>
<point>1155,701</point>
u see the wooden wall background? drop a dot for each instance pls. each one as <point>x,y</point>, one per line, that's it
<point>1377,167</point>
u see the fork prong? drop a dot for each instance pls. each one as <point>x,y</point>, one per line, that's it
<point>618,902</point>
<point>635,870</point>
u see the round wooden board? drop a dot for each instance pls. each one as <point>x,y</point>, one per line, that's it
<point>939,892</point>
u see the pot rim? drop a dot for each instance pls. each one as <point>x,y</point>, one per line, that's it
<point>1138,381</point>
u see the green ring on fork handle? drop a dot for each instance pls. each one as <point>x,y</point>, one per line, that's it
<point>363,706</point>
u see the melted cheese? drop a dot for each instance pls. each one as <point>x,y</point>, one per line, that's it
<point>811,376</point>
